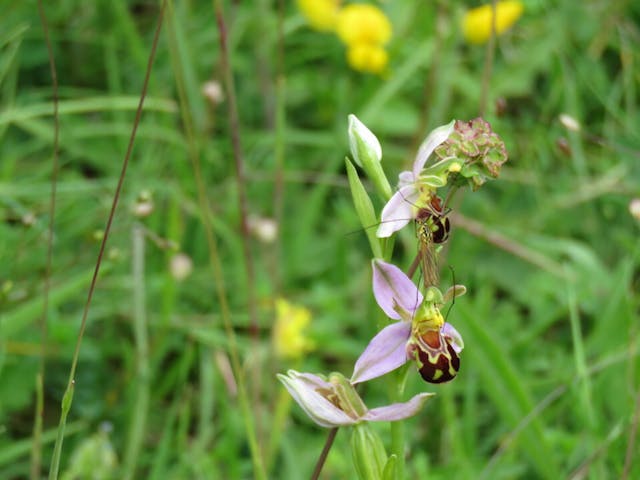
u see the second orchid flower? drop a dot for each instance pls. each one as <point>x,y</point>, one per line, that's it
<point>420,332</point>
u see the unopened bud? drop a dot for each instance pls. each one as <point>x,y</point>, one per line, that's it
<point>367,154</point>
<point>369,455</point>
<point>365,147</point>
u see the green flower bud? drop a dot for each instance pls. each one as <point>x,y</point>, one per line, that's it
<point>364,145</point>
<point>369,455</point>
<point>389,472</point>
<point>367,154</point>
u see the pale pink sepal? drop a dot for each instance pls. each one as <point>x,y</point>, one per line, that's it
<point>398,411</point>
<point>385,352</point>
<point>394,291</point>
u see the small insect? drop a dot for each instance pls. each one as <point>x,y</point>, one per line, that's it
<point>434,221</point>
<point>433,229</point>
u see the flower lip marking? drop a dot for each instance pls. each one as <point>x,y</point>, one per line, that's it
<point>438,361</point>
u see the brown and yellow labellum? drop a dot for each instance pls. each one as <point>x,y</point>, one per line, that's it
<point>437,360</point>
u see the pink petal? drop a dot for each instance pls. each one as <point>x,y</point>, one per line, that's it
<point>303,388</point>
<point>433,140</point>
<point>393,290</point>
<point>385,352</point>
<point>406,178</point>
<point>398,211</point>
<point>398,411</point>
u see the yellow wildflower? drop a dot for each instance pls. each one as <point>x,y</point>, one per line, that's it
<point>367,58</point>
<point>365,30</point>
<point>361,23</point>
<point>476,24</point>
<point>321,14</point>
<point>289,339</point>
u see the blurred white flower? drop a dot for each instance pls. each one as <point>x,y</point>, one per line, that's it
<point>212,90</point>
<point>569,122</point>
<point>263,228</point>
<point>634,208</point>
<point>180,266</point>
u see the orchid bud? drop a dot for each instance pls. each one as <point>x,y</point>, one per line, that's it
<point>369,455</point>
<point>367,154</point>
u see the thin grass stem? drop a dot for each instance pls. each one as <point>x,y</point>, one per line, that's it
<point>36,450</point>
<point>279,147</point>
<point>216,267</point>
<point>67,398</point>
<point>241,185</point>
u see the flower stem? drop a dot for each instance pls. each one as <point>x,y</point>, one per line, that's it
<point>325,452</point>
<point>397,428</point>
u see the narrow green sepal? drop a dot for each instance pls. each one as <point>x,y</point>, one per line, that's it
<point>389,472</point>
<point>364,208</point>
<point>369,455</point>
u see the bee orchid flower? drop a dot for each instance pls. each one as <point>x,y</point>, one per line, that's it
<point>464,153</point>
<point>334,402</point>
<point>416,186</point>
<point>419,333</point>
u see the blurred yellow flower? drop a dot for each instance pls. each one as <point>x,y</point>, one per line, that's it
<point>289,339</point>
<point>476,25</point>
<point>363,24</point>
<point>367,58</point>
<point>321,14</point>
<point>365,30</point>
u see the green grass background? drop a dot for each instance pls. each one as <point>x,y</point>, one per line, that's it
<point>548,386</point>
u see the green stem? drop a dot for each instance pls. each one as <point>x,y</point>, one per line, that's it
<point>193,151</point>
<point>243,206</point>
<point>141,403</point>
<point>36,450</point>
<point>396,390</point>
